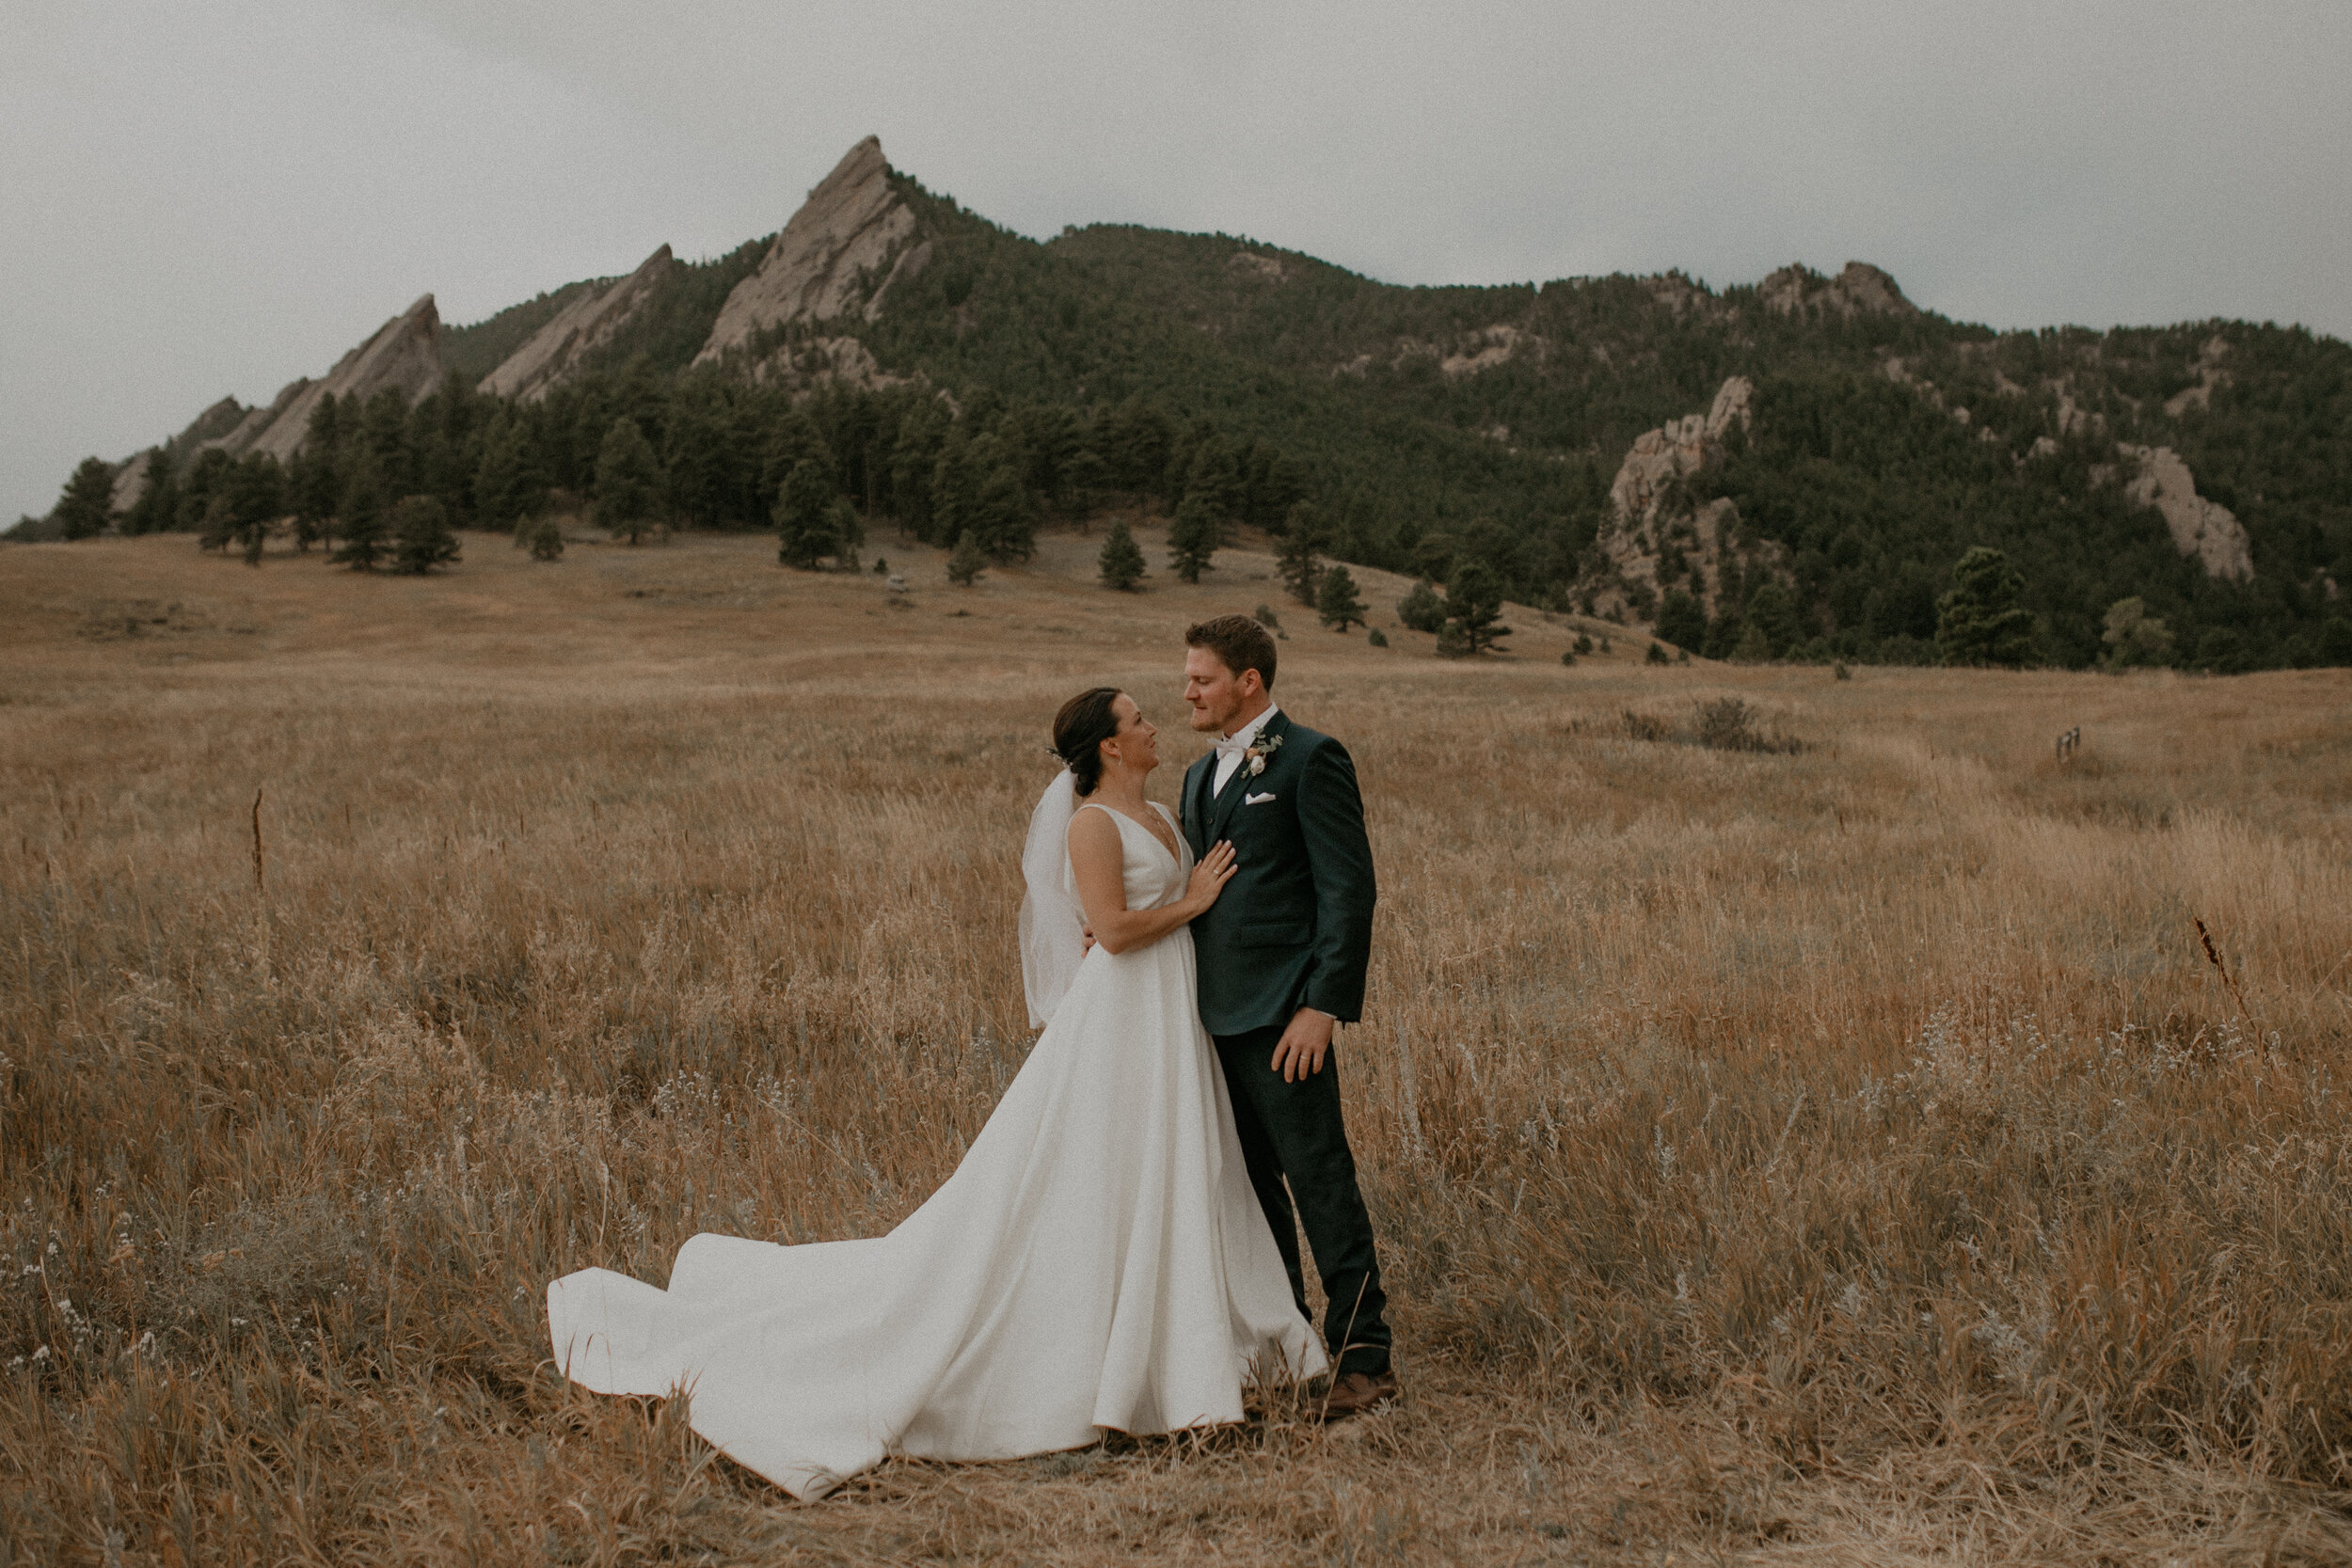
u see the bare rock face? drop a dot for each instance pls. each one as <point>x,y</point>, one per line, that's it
<point>1681,447</point>
<point>1482,351</point>
<point>2204,528</point>
<point>1655,541</point>
<point>405,355</point>
<point>130,481</point>
<point>850,230</point>
<point>553,356</point>
<point>1861,290</point>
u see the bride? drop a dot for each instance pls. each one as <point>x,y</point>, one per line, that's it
<point>1098,1262</point>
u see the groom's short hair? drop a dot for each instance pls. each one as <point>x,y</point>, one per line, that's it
<point>1239,642</point>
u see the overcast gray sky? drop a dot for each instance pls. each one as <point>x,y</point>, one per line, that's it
<point>213,196</point>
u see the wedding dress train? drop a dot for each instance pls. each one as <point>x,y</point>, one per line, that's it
<point>1097,1261</point>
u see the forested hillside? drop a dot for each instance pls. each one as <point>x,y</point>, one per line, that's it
<point>977,381</point>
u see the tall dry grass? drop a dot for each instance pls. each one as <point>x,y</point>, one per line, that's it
<point>1851,1150</point>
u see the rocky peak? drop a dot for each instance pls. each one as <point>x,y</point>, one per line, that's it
<point>853,229</point>
<point>1677,447</point>
<point>553,354</point>
<point>1861,290</point>
<point>403,354</point>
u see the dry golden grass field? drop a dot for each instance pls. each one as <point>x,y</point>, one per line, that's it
<point>1845,1155</point>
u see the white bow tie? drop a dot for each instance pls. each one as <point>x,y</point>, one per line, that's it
<point>1234,743</point>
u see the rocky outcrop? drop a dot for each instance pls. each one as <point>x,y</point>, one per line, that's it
<point>822,265</point>
<point>1682,447</point>
<point>1657,540</point>
<point>215,423</point>
<point>2209,376</point>
<point>826,361</point>
<point>1861,290</point>
<point>401,356</point>
<point>1482,351</point>
<point>2202,527</point>
<point>555,353</point>
<point>130,481</point>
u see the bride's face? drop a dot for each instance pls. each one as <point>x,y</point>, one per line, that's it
<point>1136,744</point>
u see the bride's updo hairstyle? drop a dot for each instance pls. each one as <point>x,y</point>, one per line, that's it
<point>1080,728</point>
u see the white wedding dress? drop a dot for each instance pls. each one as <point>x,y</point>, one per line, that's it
<point>1097,1261</point>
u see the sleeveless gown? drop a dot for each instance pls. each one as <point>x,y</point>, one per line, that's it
<point>1097,1261</point>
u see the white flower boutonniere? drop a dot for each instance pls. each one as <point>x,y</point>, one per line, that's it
<point>1263,748</point>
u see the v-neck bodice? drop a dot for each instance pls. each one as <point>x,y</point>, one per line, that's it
<point>1152,875</point>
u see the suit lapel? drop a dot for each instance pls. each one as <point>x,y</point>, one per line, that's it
<point>1237,788</point>
<point>1197,803</point>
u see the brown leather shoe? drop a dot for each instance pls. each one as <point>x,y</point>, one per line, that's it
<point>1360,1393</point>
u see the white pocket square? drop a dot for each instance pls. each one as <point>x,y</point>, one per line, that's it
<point>1257,800</point>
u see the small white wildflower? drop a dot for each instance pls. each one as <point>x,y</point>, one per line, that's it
<point>42,1355</point>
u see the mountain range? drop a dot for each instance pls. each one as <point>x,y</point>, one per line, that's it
<point>1790,468</point>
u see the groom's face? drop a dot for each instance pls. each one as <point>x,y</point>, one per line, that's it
<point>1217,694</point>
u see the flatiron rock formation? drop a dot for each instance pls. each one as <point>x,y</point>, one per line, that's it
<point>405,355</point>
<point>215,423</point>
<point>553,354</point>
<point>2202,527</point>
<point>1861,290</point>
<point>850,231</point>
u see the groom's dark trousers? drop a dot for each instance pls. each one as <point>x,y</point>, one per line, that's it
<point>1294,1129</point>
<point>1294,929</point>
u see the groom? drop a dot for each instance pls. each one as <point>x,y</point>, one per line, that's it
<point>1282,961</point>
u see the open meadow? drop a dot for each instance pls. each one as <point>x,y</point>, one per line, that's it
<point>1849,1153</point>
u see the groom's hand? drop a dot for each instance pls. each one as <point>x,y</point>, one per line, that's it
<point>1304,1044</point>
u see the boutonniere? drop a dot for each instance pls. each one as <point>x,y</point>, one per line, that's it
<point>1260,749</point>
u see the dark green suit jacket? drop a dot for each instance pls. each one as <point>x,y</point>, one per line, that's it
<point>1293,927</point>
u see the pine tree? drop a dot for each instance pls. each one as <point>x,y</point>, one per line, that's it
<point>1681,621</point>
<point>1773,614</point>
<point>508,485</point>
<point>1122,560</point>
<point>310,493</point>
<point>805,524</point>
<point>361,521</point>
<point>88,503</point>
<point>206,474</point>
<point>628,480</point>
<point>1336,602</point>
<point>1296,565</point>
<point>1979,621</point>
<point>1473,603</point>
<point>969,561</point>
<point>1192,538</point>
<point>421,538</point>
<point>159,497</point>
<point>547,539</point>
<point>256,494</point>
<point>220,521</point>
<point>1421,608</point>
<point>1000,515</point>
<point>2134,637</point>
